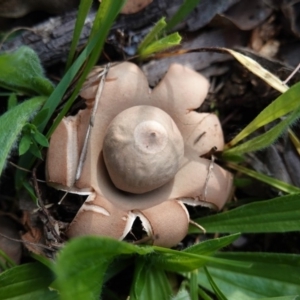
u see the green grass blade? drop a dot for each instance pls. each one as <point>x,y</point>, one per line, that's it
<point>280,214</point>
<point>83,10</point>
<point>266,139</point>
<point>183,11</point>
<point>153,35</point>
<point>278,184</point>
<point>11,124</point>
<point>109,10</point>
<point>162,44</point>
<point>106,15</point>
<point>218,293</point>
<point>270,275</point>
<point>285,103</point>
<point>194,285</point>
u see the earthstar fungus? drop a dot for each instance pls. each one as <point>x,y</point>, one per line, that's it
<point>143,157</point>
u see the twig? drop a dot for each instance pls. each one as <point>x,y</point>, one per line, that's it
<point>26,242</point>
<point>292,74</point>
<point>91,124</point>
<point>198,226</point>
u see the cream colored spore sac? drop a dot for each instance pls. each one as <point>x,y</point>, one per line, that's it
<point>142,149</point>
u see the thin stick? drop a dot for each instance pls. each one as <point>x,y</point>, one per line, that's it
<point>91,124</point>
<point>26,242</point>
<point>63,197</point>
<point>210,170</point>
<point>292,74</point>
<point>198,226</point>
<point>20,168</point>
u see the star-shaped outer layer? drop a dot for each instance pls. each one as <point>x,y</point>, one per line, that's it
<point>111,212</point>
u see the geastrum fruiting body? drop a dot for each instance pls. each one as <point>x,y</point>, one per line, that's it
<point>143,157</point>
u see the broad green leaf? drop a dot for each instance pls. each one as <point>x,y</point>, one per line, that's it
<point>22,72</point>
<point>284,104</point>
<point>149,283</point>
<point>27,282</point>
<point>24,144</point>
<point>280,214</point>
<point>11,124</point>
<point>82,264</point>
<point>278,184</point>
<point>182,13</point>
<point>270,275</point>
<point>266,139</point>
<point>12,101</point>
<point>41,139</point>
<point>162,44</point>
<point>153,35</point>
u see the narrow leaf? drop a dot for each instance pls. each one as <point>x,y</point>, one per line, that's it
<point>211,246</point>
<point>11,124</point>
<point>109,10</point>
<point>284,104</point>
<point>162,44</point>
<point>270,275</point>
<point>184,10</point>
<point>191,258</point>
<point>83,10</point>
<point>278,184</point>
<point>153,35</point>
<point>218,293</point>
<point>266,139</point>
<point>259,71</point>
<point>276,215</point>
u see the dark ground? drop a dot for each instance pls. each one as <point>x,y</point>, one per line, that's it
<point>268,31</point>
